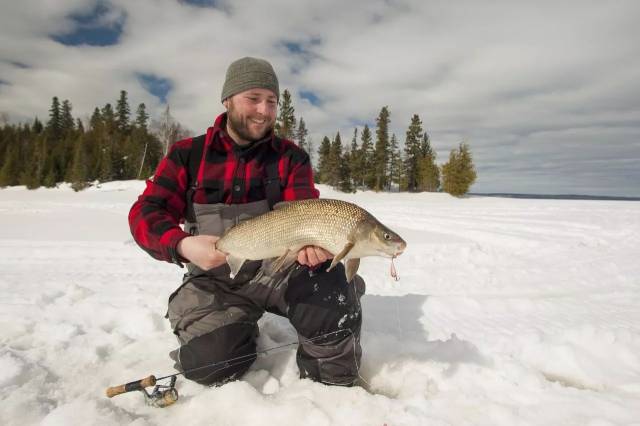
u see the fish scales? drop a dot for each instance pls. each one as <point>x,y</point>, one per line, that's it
<point>325,223</point>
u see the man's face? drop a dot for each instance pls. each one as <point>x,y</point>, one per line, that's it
<point>251,114</point>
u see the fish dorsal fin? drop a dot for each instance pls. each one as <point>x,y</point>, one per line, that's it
<point>281,204</point>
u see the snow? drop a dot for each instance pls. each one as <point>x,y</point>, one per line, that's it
<point>508,311</point>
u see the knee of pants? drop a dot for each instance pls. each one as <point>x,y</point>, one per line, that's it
<point>324,302</point>
<point>219,356</point>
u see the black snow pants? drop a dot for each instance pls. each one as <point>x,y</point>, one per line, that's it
<point>216,322</point>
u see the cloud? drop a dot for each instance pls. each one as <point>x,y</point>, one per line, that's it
<point>546,93</point>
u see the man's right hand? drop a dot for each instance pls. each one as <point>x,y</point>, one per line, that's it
<point>201,251</point>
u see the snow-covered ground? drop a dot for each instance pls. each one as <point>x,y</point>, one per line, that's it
<point>507,312</point>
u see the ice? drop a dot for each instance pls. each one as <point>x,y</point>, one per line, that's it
<point>508,311</point>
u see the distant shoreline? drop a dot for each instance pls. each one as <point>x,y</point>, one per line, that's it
<point>555,197</point>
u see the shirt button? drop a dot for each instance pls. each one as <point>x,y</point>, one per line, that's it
<point>236,188</point>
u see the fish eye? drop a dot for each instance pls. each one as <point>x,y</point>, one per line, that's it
<point>386,236</point>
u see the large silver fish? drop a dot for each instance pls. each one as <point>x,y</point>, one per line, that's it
<point>347,231</point>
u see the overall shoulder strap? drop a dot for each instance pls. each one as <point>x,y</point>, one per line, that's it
<point>195,158</point>
<point>272,181</point>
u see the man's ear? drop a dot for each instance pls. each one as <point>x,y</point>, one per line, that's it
<point>226,103</point>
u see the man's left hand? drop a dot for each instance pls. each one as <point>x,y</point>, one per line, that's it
<point>313,256</point>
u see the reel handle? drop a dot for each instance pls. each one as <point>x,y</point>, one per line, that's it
<point>132,386</point>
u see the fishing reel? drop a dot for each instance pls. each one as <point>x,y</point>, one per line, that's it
<point>160,397</point>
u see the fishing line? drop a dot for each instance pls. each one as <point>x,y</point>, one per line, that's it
<point>244,358</point>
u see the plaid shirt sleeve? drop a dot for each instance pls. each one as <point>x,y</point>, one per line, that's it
<point>155,217</point>
<point>299,180</point>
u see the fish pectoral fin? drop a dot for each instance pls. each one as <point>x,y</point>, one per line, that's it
<point>337,258</point>
<point>281,204</point>
<point>281,263</point>
<point>351,268</point>
<point>235,263</point>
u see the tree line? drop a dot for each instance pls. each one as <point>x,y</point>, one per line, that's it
<point>375,161</point>
<point>113,145</point>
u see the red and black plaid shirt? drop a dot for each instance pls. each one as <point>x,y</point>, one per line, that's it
<point>228,174</point>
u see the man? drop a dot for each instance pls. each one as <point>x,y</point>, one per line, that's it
<point>238,170</point>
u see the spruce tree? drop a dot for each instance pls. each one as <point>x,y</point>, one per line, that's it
<point>79,166</point>
<point>54,125</point>
<point>301,134</point>
<point>395,163</point>
<point>366,170</point>
<point>354,161</point>
<point>68,123</point>
<point>412,152</point>
<point>123,113</point>
<point>324,161</point>
<point>37,126</point>
<point>459,173</point>
<point>10,167</point>
<point>142,117</point>
<point>381,152</point>
<point>428,171</point>
<point>106,144</point>
<point>286,122</point>
<point>335,160</point>
<point>96,119</point>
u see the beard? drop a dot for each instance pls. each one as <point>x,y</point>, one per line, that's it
<point>245,129</point>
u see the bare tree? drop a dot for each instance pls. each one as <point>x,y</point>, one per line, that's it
<point>169,130</point>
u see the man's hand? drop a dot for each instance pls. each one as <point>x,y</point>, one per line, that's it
<point>313,256</point>
<point>201,251</point>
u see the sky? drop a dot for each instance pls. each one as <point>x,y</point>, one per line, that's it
<point>546,94</point>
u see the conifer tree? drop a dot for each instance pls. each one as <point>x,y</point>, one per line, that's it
<point>10,167</point>
<point>54,125</point>
<point>79,126</point>
<point>354,160</point>
<point>366,170</point>
<point>142,117</point>
<point>459,173</point>
<point>428,171</point>
<point>301,134</point>
<point>79,166</point>
<point>324,161</point>
<point>395,163</point>
<point>286,122</point>
<point>37,126</point>
<point>108,118</point>
<point>106,163</point>
<point>33,175</point>
<point>96,119</point>
<point>335,160</point>
<point>68,124</point>
<point>123,113</point>
<point>413,154</point>
<point>381,152</point>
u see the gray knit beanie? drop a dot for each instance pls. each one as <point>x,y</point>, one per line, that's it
<point>249,73</point>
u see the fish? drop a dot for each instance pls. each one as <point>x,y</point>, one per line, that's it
<point>344,229</point>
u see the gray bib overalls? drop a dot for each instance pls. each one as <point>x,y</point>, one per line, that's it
<point>215,317</point>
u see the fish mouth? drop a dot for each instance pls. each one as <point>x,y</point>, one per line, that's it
<point>399,249</point>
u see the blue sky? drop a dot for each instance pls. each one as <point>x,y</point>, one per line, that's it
<point>547,94</point>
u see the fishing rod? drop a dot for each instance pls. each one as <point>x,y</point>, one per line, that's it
<point>164,395</point>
